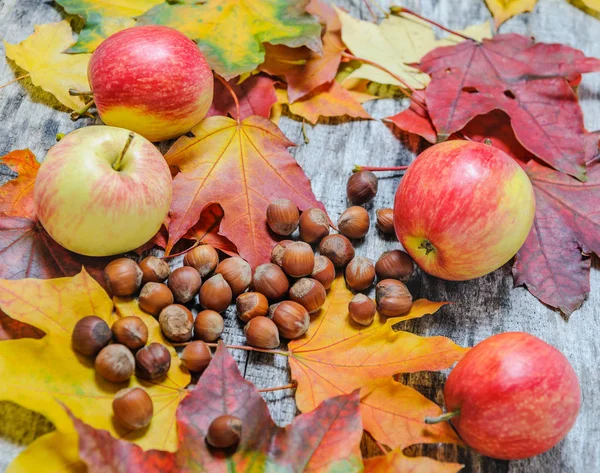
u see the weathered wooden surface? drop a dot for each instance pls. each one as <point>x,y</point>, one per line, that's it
<point>31,118</point>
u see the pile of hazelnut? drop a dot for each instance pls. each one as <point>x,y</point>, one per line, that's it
<point>283,294</point>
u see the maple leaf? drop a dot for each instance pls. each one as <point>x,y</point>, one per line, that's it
<point>243,167</point>
<point>327,100</point>
<point>397,462</point>
<point>337,356</point>
<point>415,119</point>
<point>394,43</point>
<point>553,262</point>
<point>231,33</point>
<point>502,10</point>
<point>529,82</point>
<point>256,95</point>
<point>41,55</point>
<point>103,19</point>
<point>207,230</point>
<point>305,70</point>
<point>324,440</point>
<point>16,196</point>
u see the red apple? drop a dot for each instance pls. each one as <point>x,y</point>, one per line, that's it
<point>152,80</point>
<point>103,190</point>
<point>463,209</point>
<point>515,396</point>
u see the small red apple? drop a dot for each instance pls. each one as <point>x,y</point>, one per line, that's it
<point>512,396</point>
<point>463,209</point>
<point>152,80</point>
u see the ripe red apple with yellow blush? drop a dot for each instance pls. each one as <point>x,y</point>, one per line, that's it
<point>512,396</point>
<point>103,190</point>
<point>152,80</point>
<point>463,209</point>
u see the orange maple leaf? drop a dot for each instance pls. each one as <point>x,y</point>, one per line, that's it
<point>16,198</point>
<point>337,356</point>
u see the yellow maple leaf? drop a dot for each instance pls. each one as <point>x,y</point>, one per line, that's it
<point>394,43</point>
<point>41,55</point>
<point>337,356</point>
<point>39,374</point>
<point>502,10</point>
<point>592,4</point>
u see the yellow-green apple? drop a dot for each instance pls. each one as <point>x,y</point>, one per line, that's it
<point>512,396</point>
<point>103,190</point>
<point>152,80</point>
<point>463,209</point>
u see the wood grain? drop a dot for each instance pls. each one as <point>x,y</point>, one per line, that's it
<point>31,118</point>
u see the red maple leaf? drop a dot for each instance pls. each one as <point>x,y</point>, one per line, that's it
<point>256,95</point>
<point>554,261</point>
<point>313,442</point>
<point>530,82</point>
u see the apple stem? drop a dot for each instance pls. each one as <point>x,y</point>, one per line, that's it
<point>488,142</point>
<point>398,10</point>
<point>416,95</point>
<point>358,168</point>
<point>196,243</point>
<point>292,385</point>
<point>427,246</point>
<point>117,164</point>
<point>80,92</point>
<point>235,99</point>
<point>443,418</point>
<point>76,114</point>
<point>14,80</point>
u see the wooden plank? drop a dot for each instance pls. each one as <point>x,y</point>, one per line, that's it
<point>484,307</point>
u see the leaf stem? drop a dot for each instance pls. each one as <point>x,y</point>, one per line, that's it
<point>397,10</point>
<point>417,96</point>
<point>240,347</point>
<point>306,138</point>
<point>77,93</point>
<point>366,2</point>
<point>381,447</point>
<point>375,168</point>
<point>164,257</point>
<point>76,114</point>
<point>442,418</point>
<point>14,80</point>
<point>117,164</point>
<point>235,99</point>
<point>292,385</point>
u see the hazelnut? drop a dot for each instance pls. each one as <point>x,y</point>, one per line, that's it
<point>291,319</point>
<point>154,269</point>
<point>354,222</point>
<point>208,325</point>
<point>283,216</point>
<point>215,293</point>
<point>309,293</point>
<point>176,322</point>
<point>385,221</point>
<point>395,264</point>
<point>115,363</point>
<point>362,309</point>
<point>90,335</point>
<point>154,297</point>
<point>361,187</point>
<point>237,272</point>
<point>250,305</point>
<point>196,356</point>
<point>393,298</point>
<point>314,225</point>
<point>338,249</point>
<point>133,408</point>
<point>270,280</point>
<point>123,277</point>
<point>152,361</point>
<point>272,308</point>
<point>224,432</point>
<point>277,252</point>
<point>203,258</point>
<point>185,283</point>
<point>131,332</point>
<point>324,271</point>
<point>360,273</point>
<point>262,332</point>
<point>298,259</point>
